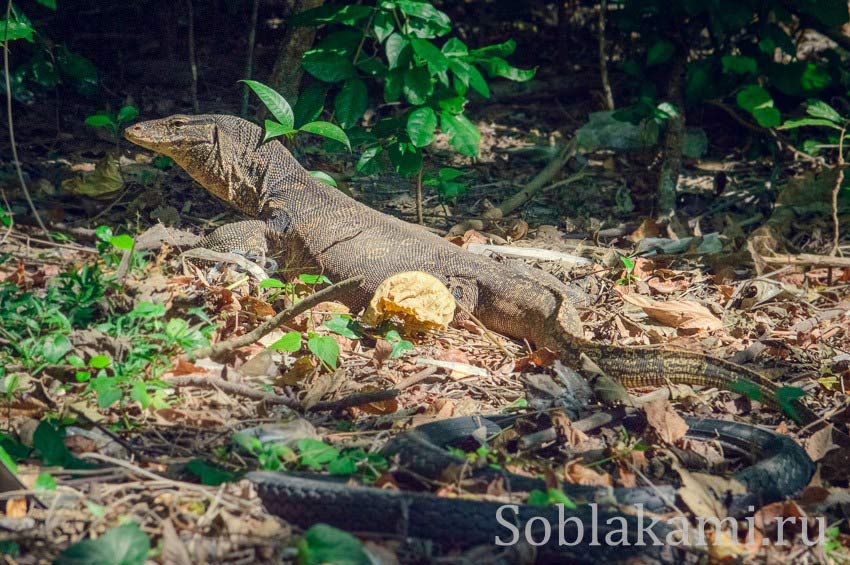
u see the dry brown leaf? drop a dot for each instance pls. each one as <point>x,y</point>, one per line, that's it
<point>703,494</point>
<point>566,429</point>
<point>419,299</point>
<point>687,316</point>
<point>577,473</point>
<point>16,507</point>
<point>538,358</point>
<point>666,422</point>
<point>257,307</point>
<point>194,418</point>
<point>820,443</point>
<point>103,182</point>
<point>723,547</point>
<point>647,228</point>
<point>380,408</point>
<point>301,369</point>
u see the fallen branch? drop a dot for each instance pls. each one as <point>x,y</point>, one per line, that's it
<point>324,295</point>
<point>527,253</point>
<point>808,260</point>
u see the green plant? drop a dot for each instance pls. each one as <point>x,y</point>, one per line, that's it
<point>322,543</point>
<point>446,183</point>
<point>550,497</point>
<point>113,122</point>
<point>629,276</point>
<point>126,544</point>
<point>399,345</point>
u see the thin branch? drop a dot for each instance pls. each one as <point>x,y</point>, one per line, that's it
<point>835,189</point>
<point>603,57</point>
<point>12,126</point>
<point>249,62</point>
<point>257,333</point>
<point>193,63</point>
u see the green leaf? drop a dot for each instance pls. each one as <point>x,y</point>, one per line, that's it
<point>313,279</point>
<point>344,326</point>
<point>753,96</point>
<point>127,114</point>
<point>767,116</point>
<point>820,109</point>
<point>350,103</point>
<point>273,129</point>
<point>277,104</point>
<point>139,393</point>
<point>325,348</point>
<point>15,30</point>
<point>393,84</point>
<point>462,133</point>
<point>310,103</point>
<point>122,241</point>
<point>383,25</point>
<point>342,466</point>
<point>348,15</point>
<point>51,4</point>
<point>628,263</point>
<point>557,496</point>
<point>399,347</point>
<point>44,481</point>
<point>537,497</point>
<point>427,12</point>
<point>6,460</point>
<point>326,544</point>
<point>417,85</point>
<point>323,177</point>
<point>273,283</point>
<point>327,65</point>
<point>501,68</point>
<point>100,362</point>
<point>786,397</point>
<point>107,390</point>
<point>433,57</point>
<point>477,82</point>
<point>748,388</point>
<point>55,348</point>
<point>421,125</point>
<point>47,440</point>
<point>394,48</point>
<point>290,342</point>
<point>498,50</point>
<point>313,453</point>
<point>454,47</point>
<point>806,122</point>
<point>659,53</point>
<point>124,545</point>
<point>210,475</point>
<point>405,157</point>
<point>739,64</point>
<point>100,121</point>
<point>329,130</point>
<point>368,162</point>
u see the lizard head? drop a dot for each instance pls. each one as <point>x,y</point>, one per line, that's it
<point>175,136</point>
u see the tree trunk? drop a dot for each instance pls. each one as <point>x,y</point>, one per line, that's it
<point>287,71</point>
<point>674,137</point>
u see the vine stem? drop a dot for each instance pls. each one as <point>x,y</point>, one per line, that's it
<point>835,189</point>
<point>12,126</point>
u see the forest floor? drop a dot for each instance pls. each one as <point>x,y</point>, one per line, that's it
<point>94,336</point>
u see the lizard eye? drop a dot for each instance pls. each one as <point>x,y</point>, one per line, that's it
<point>177,122</point>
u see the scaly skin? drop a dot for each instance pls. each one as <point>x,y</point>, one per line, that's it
<point>314,227</point>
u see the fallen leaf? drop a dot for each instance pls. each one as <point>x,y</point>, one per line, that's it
<point>687,316</point>
<point>301,369</point>
<point>666,422</point>
<point>647,228</point>
<point>579,474</point>
<point>257,307</point>
<point>16,507</point>
<point>103,182</point>
<point>419,299</point>
<point>820,443</point>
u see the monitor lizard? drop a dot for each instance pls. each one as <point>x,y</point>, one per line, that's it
<point>318,228</point>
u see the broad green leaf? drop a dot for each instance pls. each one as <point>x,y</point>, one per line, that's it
<point>331,13</point>
<point>290,342</point>
<point>310,103</point>
<point>100,362</point>
<point>210,475</point>
<point>351,102</point>
<point>45,481</point>
<point>537,497</point>
<point>448,174</point>
<point>498,50</point>
<point>323,177</point>
<point>748,388</point>
<point>405,157</point>
<point>325,544</point>
<point>501,68</point>
<point>462,133</point>
<point>325,348</point>
<point>48,441</point>
<point>107,390</point>
<point>394,47</point>
<point>417,85</point>
<point>820,109</point>
<point>122,241</point>
<point>7,460</point>
<point>273,283</point>
<point>124,545</point>
<point>372,66</point>
<point>329,130</point>
<point>393,84</point>
<point>344,326</point>
<point>454,47</point>
<point>767,116</point>
<point>342,466</point>
<point>139,393</point>
<point>425,11</point>
<point>327,65</point>
<point>314,453</point>
<point>273,129</point>
<point>659,53</point>
<point>368,162</point>
<point>51,4</point>
<point>433,57</point>
<point>81,70</point>
<point>100,121</point>
<point>478,83</point>
<point>383,25</point>
<point>277,104</point>
<point>453,104</point>
<point>313,279</point>
<point>55,348</point>
<point>786,397</point>
<point>807,122</point>
<point>753,96</point>
<point>739,64</point>
<point>15,30</point>
<point>421,125</point>
<point>127,114</point>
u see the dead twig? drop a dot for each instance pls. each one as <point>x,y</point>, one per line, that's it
<point>257,333</point>
<point>835,189</point>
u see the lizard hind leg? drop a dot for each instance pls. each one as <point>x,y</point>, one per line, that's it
<point>246,238</point>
